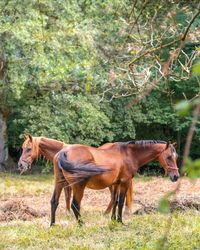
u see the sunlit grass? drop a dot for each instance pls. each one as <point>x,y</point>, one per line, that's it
<point>12,184</point>
<point>141,232</point>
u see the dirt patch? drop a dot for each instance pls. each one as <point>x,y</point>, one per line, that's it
<point>18,209</point>
<point>148,194</point>
<point>175,205</point>
<point>185,204</point>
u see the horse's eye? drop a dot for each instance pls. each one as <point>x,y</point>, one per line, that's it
<point>28,149</point>
<point>169,157</point>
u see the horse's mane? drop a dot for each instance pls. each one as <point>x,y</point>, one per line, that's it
<point>35,146</point>
<point>145,142</point>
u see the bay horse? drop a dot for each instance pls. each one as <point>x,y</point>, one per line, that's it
<point>96,168</point>
<point>34,147</point>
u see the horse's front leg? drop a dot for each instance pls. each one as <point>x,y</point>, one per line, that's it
<point>122,195</point>
<point>129,198</point>
<point>78,190</point>
<point>115,195</point>
<point>55,201</point>
<point>110,205</point>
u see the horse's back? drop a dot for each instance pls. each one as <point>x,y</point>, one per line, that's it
<point>78,153</point>
<point>106,145</point>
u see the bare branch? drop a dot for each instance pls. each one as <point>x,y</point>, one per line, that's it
<point>190,23</point>
<point>180,39</point>
<point>196,113</point>
<point>155,49</point>
<point>146,93</point>
<point>186,153</point>
<point>141,11</point>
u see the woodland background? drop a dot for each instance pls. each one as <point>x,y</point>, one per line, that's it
<point>92,72</point>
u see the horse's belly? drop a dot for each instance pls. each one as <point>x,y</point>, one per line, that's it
<point>100,182</point>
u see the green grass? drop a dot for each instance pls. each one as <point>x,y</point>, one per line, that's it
<point>12,184</point>
<point>141,232</point>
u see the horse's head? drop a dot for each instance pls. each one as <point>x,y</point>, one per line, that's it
<point>29,153</point>
<point>167,159</point>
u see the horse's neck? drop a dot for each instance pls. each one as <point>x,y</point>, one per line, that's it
<point>49,148</point>
<point>145,154</point>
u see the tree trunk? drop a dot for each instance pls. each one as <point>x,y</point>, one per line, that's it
<point>5,161</point>
<point>3,142</point>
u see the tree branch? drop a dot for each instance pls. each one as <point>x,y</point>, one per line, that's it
<point>190,23</point>
<point>155,49</point>
<point>134,102</point>
<point>182,39</point>
<point>196,113</point>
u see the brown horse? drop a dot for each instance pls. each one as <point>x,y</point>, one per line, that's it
<point>95,168</point>
<point>33,147</point>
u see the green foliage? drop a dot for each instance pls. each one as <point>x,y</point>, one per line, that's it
<point>66,73</point>
<point>196,68</point>
<point>183,107</point>
<point>164,203</point>
<point>192,168</point>
<point>73,119</point>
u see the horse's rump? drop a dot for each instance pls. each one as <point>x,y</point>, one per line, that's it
<point>80,171</point>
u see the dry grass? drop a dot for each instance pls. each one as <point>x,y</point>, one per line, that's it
<point>27,193</point>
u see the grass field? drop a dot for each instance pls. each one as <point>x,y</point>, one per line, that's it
<point>146,231</point>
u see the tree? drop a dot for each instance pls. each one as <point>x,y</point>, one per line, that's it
<point>92,71</point>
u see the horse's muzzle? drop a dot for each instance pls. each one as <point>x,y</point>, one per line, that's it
<point>22,166</point>
<point>174,177</point>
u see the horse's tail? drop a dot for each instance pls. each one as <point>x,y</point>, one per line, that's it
<point>80,170</point>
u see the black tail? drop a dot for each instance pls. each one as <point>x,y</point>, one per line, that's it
<point>80,170</point>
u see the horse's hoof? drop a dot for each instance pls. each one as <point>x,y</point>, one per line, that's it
<point>122,223</point>
<point>127,212</point>
<point>113,218</point>
<point>80,223</point>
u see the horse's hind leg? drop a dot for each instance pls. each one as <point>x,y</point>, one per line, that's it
<point>55,200</point>
<point>129,198</point>
<point>59,184</point>
<point>78,190</point>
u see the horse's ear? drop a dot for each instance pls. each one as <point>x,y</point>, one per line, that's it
<point>167,145</point>
<point>174,144</point>
<point>24,136</point>
<point>30,137</point>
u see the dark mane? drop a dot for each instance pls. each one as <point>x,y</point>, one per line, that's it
<point>146,142</point>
